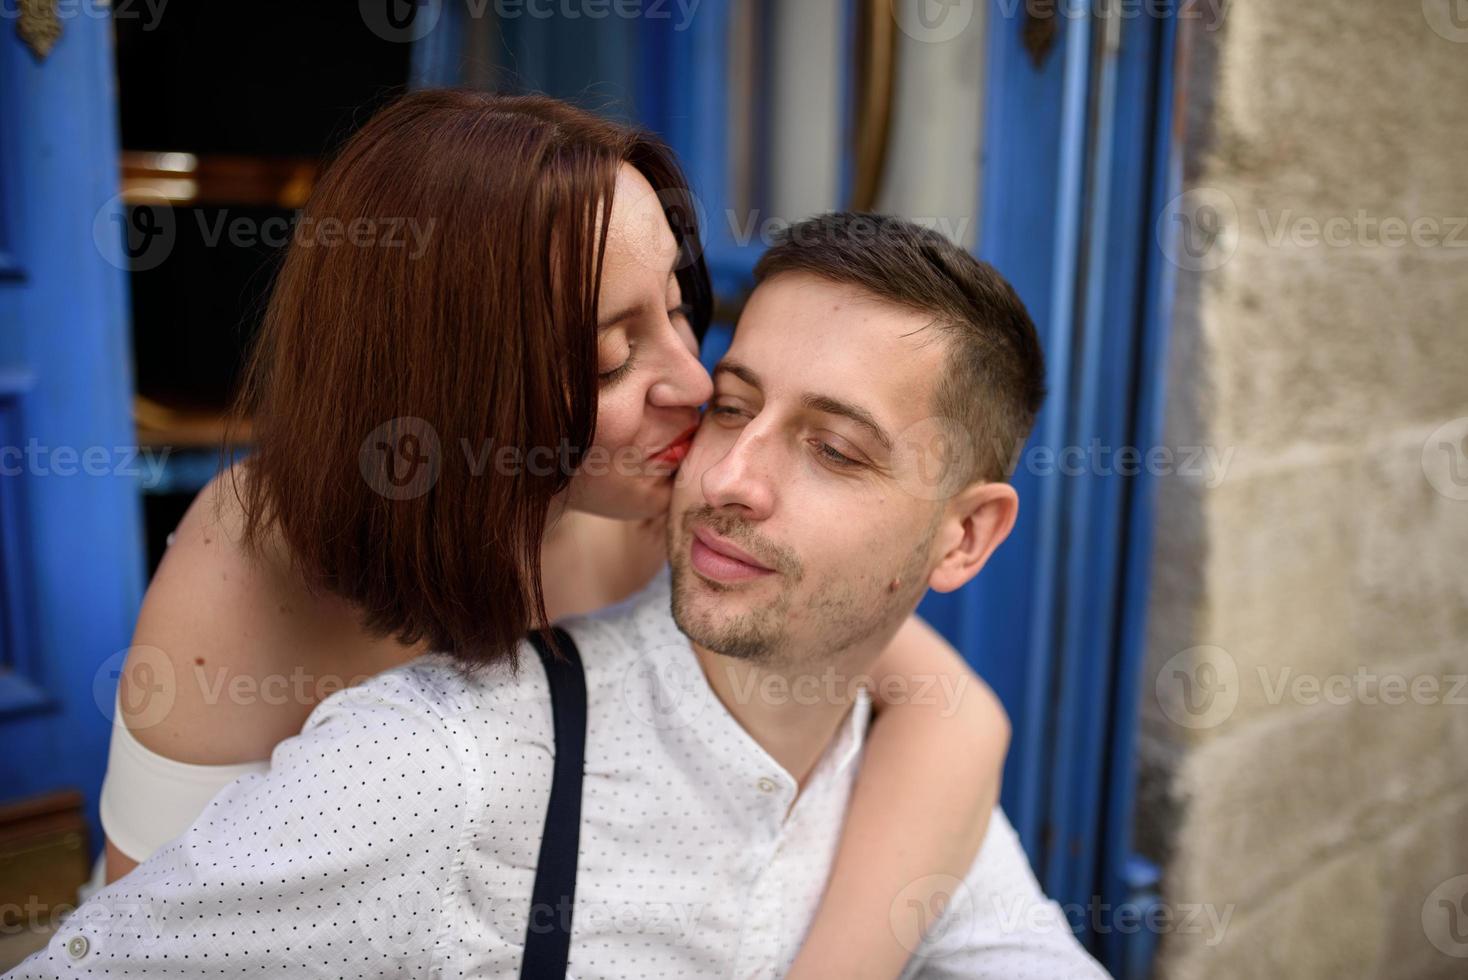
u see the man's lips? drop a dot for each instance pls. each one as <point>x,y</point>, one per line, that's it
<point>674,451</point>
<point>715,558</point>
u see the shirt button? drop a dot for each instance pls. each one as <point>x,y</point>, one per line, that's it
<point>767,785</point>
<point>76,947</point>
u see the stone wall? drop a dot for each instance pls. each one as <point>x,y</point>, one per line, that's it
<point>1305,733</point>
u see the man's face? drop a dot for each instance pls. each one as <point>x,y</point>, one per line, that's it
<point>800,469</point>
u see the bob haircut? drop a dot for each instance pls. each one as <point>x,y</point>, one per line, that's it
<point>438,302</point>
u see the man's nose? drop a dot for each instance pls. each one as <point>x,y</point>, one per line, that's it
<point>742,479</point>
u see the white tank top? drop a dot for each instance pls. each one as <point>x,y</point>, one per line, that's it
<point>147,799</point>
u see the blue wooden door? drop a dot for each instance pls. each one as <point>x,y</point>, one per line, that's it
<point>70,525</point>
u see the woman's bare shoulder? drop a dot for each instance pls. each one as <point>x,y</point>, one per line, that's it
<point>232,650</point>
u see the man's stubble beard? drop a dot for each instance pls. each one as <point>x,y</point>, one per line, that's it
<point>841,613</point>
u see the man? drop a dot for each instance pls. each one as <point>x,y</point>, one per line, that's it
<point>850,459</point>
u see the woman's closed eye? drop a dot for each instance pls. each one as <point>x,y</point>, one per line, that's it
<point>677,315</point>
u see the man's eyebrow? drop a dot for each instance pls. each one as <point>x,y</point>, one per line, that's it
<point>740,371</point>
<point>815,402</point>
<point>857,414</point>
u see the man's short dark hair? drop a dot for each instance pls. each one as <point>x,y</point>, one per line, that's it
<point>994,382</point>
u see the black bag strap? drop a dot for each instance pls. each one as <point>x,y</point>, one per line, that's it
<point>548,931</point>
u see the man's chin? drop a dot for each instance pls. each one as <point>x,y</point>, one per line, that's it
<point>711,614</point>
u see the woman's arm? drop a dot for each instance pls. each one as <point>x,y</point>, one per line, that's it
<point>928,783</point>
<point>231,653</point>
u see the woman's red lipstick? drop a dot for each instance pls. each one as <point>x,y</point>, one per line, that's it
<point>676,450</point>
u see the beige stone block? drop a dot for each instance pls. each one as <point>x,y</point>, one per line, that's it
<point>1417,858</point>
<point>1324,923</point>
<point>1264,804</point>
<point>1343,101</point>
<point>1312,345</point>
<point>1305,590</point>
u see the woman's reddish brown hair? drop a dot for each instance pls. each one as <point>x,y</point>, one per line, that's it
<point>438,303</point>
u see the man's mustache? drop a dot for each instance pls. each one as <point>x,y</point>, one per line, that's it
<point>740,532</point>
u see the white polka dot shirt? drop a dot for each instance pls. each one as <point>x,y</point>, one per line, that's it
<point>397,836</point>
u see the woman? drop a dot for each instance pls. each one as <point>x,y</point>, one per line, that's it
<point>390,508</point>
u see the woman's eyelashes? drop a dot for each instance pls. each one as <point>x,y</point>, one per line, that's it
<point>677,314</point>
<point>622,370</point>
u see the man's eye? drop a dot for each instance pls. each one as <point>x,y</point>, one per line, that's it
<point>683,311</point>
<point>834,457</point>
<point>727,411</point>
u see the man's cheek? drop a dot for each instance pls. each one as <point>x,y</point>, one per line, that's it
<point>705,452</point>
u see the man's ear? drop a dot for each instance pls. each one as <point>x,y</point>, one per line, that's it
<point>978,519</point>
